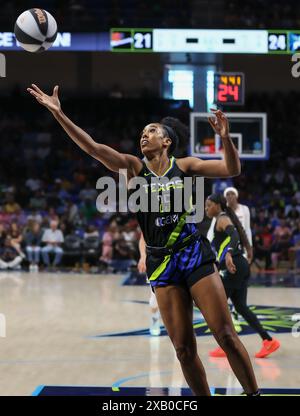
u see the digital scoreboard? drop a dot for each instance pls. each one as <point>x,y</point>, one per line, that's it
<point>282,41</point>
<point>172,40</point>
<point>205,41</point>
<point>229,88</point>
<point>131,40</point>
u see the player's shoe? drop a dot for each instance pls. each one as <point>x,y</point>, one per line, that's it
<point>155,327</point>
<point>218,352</point>
<point>268,348</point>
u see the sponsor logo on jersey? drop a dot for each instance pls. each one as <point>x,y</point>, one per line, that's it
<point>169,219</point>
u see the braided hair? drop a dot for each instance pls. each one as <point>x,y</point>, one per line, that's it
<point>221,200</point>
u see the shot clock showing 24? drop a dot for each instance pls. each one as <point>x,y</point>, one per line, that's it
<point>229,88</point>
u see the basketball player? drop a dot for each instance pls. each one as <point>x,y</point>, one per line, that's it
<point>180,262</point>
<point>155,317</point>
<point>242,212</point>
<point>235,269</point>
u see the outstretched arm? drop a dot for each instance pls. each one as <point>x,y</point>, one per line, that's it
<point>112,159</point>
<point>229,166</point>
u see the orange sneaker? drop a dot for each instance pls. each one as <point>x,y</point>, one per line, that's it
<point>218,352</point>
<point>267,348</point>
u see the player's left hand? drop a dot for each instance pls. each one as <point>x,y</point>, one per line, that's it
<point>219,123</point>
<point>141,265</point>
<point>229,263</point>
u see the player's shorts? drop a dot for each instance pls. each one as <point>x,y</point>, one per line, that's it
<point>184,267</point>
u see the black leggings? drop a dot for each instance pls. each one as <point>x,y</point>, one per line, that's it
<point>236,288</point>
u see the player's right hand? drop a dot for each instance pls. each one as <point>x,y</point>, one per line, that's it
<point>250,255</point>
<point>219,123</point>
<point>51,102</point>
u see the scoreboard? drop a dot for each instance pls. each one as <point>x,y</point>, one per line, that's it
<point>205,41</point>
<point>172,40</point>
<point>131,40</point>
<point>281,41</point>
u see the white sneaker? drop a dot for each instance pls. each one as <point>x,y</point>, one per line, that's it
<point>35,268</point>
<point>155,327</point>
<point>31,268</point>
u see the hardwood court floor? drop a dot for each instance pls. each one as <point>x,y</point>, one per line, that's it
<point>54,324</point>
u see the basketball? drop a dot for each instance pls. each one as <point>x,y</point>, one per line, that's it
<point>35,30</point>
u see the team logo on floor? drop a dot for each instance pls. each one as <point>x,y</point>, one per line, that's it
<point>273,318</point>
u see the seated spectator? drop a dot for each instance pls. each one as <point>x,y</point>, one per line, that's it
<point>262,246</point>
<point>131,237</point>
<point>35,216</point>
<point>32,241</point>
<point>274,219</point>
<point>297,196</point>
<point>56,194</point>
<point>294,251</point>
<point>71,213</point>
<point>16,238</point>
<point>53,238</point>
<point>111,235</point>
<point>88,209</point>
<point>52,215</point>
<point>91,231</point>
<point>33,183</point>
<point>3,235</point>
<point>88,193</point>
<point>11,207</point>
<point>277,202</point>
<point>122,250</point>
<point>38,200</point>
<point>9,257</point>
<point>261,220</point>
<point>281,241</point>
<point>292,211</point>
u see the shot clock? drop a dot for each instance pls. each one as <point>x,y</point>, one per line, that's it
<point>229,88</point>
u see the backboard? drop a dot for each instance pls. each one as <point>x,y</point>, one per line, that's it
<point>247,130</point>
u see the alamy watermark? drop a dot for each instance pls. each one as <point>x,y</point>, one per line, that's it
<point>296,67</point>
<point>2,326</point>
<point>2,66</point>
<point>159,195</point>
